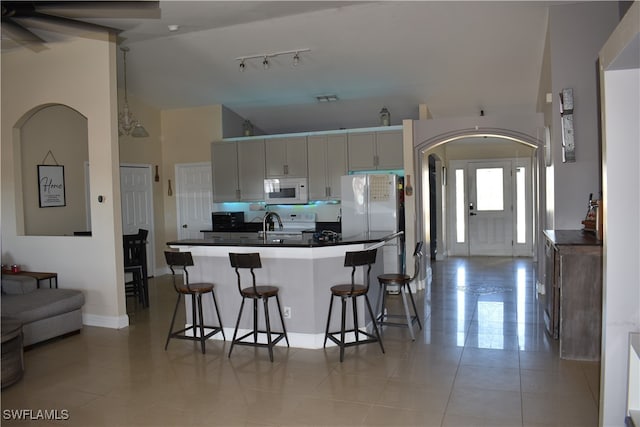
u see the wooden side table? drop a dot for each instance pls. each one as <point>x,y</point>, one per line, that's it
<point>39,276</point>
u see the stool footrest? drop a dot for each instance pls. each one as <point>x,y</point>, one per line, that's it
<point>276,337</point>
<point>371,338</point>
<point>381,320</point>
<point>181,334</point>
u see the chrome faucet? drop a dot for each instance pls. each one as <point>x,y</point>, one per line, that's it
<point>264,224</point>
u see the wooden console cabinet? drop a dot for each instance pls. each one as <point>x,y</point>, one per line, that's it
<point>573,292</point>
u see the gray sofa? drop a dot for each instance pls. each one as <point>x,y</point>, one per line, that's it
<point>45,313</point>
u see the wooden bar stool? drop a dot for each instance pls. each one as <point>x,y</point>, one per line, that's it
<point>403,281</point>
<point>254,292</point>
<point>352,291</point>
<point>180,261</point>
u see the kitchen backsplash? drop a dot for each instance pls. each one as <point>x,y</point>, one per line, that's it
<point>253,212</point>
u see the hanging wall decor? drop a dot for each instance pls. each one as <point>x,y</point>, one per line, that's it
<point>568,137</point>
<point>51,186</point>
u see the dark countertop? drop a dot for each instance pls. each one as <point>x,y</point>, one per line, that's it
<point>372,237</point>
<point>572,238</point>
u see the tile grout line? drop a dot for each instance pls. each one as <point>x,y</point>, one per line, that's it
<point>455,376</point>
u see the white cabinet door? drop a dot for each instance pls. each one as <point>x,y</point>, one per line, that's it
<point>224,159</point>
<point>317,146</point>
<point>327,163</point>
<point>286,157</point>
<point>297,157</point>
<point>389,150</point>
<point>336,163</point>
<point>275,157</point>
<point>251,169</point>
<point>362,151</point>
<point>375,150</point>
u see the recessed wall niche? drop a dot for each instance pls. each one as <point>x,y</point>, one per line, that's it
<point>54,135</point>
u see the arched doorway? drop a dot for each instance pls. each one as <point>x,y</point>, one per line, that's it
<point>468,145</point>
<point>55,136</point>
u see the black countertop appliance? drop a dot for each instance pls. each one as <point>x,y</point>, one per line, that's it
<point>227,221</point>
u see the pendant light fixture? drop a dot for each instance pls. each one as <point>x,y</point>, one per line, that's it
<point>127,124</point>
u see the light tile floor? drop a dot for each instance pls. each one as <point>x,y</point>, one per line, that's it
<point>482,359</point>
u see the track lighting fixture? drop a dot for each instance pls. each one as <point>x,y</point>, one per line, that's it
<point>327,98</point>
<point>266,58</point>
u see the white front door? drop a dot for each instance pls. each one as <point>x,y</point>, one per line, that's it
<point>136,188</point>
<point>490,208</point>
<point>194,199</point>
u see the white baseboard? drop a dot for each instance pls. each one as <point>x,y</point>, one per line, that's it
<point>113,322</point>
<point>297,340</point>
<point>311,341</point>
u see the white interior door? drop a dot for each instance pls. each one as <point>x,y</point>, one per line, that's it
<point>194,198</point>
<point>136,189</point>
<point>490,208</point>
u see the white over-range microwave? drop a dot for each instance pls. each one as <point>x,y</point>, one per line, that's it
<point>285,191</point>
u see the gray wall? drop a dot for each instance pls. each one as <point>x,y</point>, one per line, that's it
<point>577,32</point>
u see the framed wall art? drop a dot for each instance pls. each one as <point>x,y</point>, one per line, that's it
<point>51,186</point>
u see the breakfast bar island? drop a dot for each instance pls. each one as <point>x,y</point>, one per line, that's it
<point>303,270</point>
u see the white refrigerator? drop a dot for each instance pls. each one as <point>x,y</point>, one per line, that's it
<point>371,207</point>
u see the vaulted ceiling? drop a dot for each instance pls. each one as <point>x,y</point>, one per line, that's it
<point>455,57</point>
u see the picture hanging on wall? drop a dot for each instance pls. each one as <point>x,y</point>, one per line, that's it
<point>51,186</point>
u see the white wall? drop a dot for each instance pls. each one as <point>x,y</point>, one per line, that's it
<point>577,32</point>
<point>81,74</point>
<point>621,287</point>
<point>187,134</point>
<point>621,187</point>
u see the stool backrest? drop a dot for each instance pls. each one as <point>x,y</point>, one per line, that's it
<point>143,234</point>
<point>244,261</point>
<point>134,250</point>
<point>179,260</point>
<point>418,253</point>
<point>359,259</point>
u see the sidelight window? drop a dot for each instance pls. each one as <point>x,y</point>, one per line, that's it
<point>460,208</point>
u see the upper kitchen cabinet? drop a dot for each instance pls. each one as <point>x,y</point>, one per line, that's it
<point>251,170</point>
<point>375,150</point>
<point>238,170</point>
<point>327,163</point>
<point>286,157</point>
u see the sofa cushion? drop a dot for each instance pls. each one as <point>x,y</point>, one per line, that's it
<point>41,304</point>
<point>12,285</point>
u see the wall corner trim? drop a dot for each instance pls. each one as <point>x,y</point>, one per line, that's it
<point>112,322</point>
